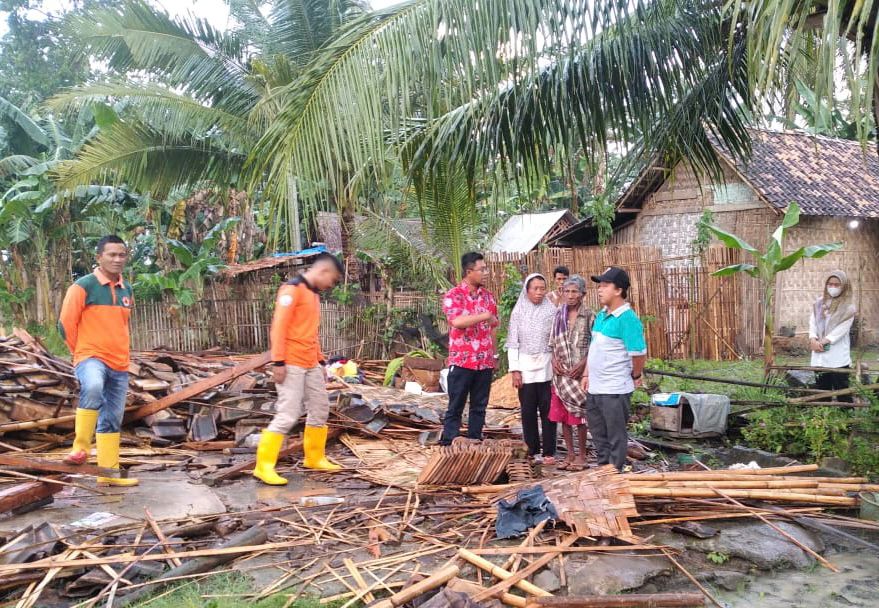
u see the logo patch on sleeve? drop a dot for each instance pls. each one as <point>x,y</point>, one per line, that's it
<point>285,300</point>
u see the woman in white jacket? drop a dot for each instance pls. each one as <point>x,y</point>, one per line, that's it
<point>829,329</point>
<point>531,365</point>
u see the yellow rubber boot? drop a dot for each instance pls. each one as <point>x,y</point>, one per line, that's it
<point>86,421</point>
<point>267,457</point>
<point>108,458</point>
<point>314,441</point>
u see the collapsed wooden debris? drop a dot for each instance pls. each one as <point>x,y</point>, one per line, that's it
<point>398,514</point>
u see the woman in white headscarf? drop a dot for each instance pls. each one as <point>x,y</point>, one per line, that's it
<point>829,329</point>
<point>531,365</point>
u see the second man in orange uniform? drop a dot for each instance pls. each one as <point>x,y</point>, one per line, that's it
<point>298,370</point>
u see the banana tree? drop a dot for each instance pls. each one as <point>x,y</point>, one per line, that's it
<point>767,264</point>
<point>195,263</point>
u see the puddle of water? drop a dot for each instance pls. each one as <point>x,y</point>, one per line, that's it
<point>857,584</point>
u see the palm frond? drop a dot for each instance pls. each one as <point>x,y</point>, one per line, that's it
<point>186,53</point>
<point>301,27</point>
<point>27,124</point>
<point>448,210</point>
<point>148,161</point>
<point>611,75</point>
<point>173,113</point>
<point>807,40</point>
<point>359,88</point>
<point>623,85</point>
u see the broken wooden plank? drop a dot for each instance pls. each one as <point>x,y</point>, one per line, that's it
<point>201,386</point>
<point>634,600</point>
<point>24,494</point>
<point>34,464</point>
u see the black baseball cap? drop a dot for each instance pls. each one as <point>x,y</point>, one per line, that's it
<point>617,276</point>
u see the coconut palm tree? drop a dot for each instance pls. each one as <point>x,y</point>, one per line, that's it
<point>197,99</point>
<point>500,88</point>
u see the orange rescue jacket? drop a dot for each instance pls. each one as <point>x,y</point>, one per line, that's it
<point>295,325</point>
<point>94,320</point>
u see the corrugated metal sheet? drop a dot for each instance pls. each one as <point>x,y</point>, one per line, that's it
<point>522,233</point>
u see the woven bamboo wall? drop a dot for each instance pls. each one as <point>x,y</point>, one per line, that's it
<point>243,326</point>
<point>687,313</point>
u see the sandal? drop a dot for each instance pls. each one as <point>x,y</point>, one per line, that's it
<point>563,465</point>
<point>575,466</point>
<point>549,460</point>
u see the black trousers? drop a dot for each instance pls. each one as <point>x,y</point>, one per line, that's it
<point>463,383</point>
<point>829,381</point>
<point>534,401</point>
<point>607,416</point>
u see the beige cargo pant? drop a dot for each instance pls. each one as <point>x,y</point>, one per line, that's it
<point>302,389</point>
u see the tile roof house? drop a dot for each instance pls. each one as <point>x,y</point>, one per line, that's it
<point>835,182</point>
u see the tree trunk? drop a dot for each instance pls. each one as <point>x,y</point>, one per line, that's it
<point>768,324</point>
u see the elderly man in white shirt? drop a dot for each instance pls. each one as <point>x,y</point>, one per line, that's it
<point>530,361</point>
<point>829,327</point>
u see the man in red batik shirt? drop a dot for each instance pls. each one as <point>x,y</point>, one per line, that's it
<point>472,314</point>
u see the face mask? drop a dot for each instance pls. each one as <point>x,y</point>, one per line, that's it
<point>834,291</point>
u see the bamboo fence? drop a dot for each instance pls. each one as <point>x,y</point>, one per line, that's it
<point>687,312</point>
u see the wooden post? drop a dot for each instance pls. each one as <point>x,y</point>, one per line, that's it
<point>635,600</point>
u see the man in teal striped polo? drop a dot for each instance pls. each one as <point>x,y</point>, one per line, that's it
<point>614,366</point>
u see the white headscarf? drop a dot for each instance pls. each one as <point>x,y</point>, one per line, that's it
<point>531,324</point>
<point>831,312</point>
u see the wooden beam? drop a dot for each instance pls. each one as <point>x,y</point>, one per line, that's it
<point>199,387</point>
<point>24,494</point>
<point>34,464</point>
<point>634,600</point>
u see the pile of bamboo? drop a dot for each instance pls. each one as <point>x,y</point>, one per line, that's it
<point>468,462</point>
<point>781,484</point>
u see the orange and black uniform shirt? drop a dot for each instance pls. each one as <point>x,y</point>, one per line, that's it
<point>94,320</point>
<point>295,325</point>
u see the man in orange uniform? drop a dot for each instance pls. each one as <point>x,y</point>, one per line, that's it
<point>94,323</point>
<point>298,371</point>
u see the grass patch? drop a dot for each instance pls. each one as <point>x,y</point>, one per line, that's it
<point>223,591</point>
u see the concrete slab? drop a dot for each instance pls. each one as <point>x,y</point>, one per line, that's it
<point>247,492</point>
<point>167,494</point>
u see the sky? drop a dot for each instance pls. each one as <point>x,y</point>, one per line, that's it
<point>214,10</point>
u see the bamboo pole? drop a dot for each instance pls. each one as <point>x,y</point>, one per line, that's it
<point>500,573</point>
<point>781,387</point>
<point>470,588</point>
<point>522,574</point>
<point>739,484</point>
<point>808,550</point>
<point>839,393</point>
<point>777,495</point>
<point>692,579</point>
<point>529,541</point>
<point>409,593</point>
<point>695,475</point>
